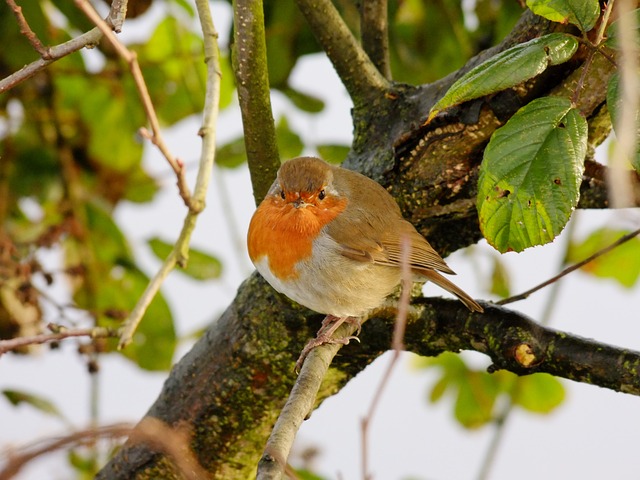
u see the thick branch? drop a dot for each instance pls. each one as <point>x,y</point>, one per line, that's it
<point>252,82</point>
<point>358,74</point>
<point>242,368</point>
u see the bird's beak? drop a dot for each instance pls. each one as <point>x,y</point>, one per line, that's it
<point>299,202</point>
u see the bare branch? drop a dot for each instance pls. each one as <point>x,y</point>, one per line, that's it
<point>252,80</point>
<point>58,333</point>
<point>179,254</point>
<point>374,24</point>
<point>358,74</point>
<point>131,59</point>
<point>91,37</point>
<point>16,460</point>
<point>25,30</point>
<point>299,405</point>
<point>572,268</point>
<point>397,344</point>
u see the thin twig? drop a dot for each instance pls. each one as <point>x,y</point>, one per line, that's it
<point>299,404</point>
<point>568,270</point>
<point>58,333</point>
<point>502,417</point>
<point>131,58</point>
<point>25,30</point>
<point>174,442</point>
<point>397,344</point>
<point>91,37</point>
<point>15,460</point>
<point>179,254</point>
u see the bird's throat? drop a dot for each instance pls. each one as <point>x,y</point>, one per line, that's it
<point>285,234</point>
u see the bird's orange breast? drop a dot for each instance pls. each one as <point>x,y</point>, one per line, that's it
<point>285,234</point>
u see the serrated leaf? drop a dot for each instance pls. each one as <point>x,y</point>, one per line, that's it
<point>333,153</point>
<point>508,69</point>
<point>200,265</point>
<point>614,104</point>
<point>621,264</point>
<point>531,173</point>
<point>17,397</point>
<point>582,13</point>
<point>539,393</point>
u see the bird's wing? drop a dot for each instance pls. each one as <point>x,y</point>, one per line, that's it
<point>379,241</point>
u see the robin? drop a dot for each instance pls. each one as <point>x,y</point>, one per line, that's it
<point>330,239</point>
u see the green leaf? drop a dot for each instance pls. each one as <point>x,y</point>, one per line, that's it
<point>614,104</point>
<point>304,101</point>
<point>614,29</point>
<point>200,265</point>
<point>621,264</point>
<point>106,240</point>
<point>333,153</point>
<point>16,397</point>
<point>154,342</point>
<point>307,475</point>
<point>582,13</point>
<point>508,69</point>
<point>289,143</point>
<point>531,173</point>
<point>538,393</point>
<point>232,154</point>
<point>141,187</point>
<point>475,391</point>
<point>500,279</point>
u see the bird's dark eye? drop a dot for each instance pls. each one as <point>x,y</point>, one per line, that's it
<point>282,195</point>
<point>322,194</point>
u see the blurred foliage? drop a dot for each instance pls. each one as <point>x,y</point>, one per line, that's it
<point>621,264</point>
<point>16,397</point>
<point>476,393</point>
<point>201,266</point>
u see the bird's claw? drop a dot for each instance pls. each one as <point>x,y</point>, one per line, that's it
<point>319,341</point>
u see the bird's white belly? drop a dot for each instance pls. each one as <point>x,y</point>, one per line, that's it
<point>330,283</point>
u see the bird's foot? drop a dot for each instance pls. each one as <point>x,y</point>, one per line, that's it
<point>325,336</point>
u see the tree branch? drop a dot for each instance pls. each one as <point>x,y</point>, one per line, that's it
<point>180,253</point>
<point>359,75</point>
<point>58,333</point>
<point>131,59</point>
<point>252,82</point>
<point>374,25</point>
<point>242,368</point>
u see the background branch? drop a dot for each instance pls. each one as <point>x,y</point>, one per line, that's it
<point>375,35</point>
<point>180,253</point>
<point>58,333</point>
<point>356,71</point>
<point>131,59</point>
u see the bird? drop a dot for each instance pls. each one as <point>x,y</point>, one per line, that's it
<point>331,240</point>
